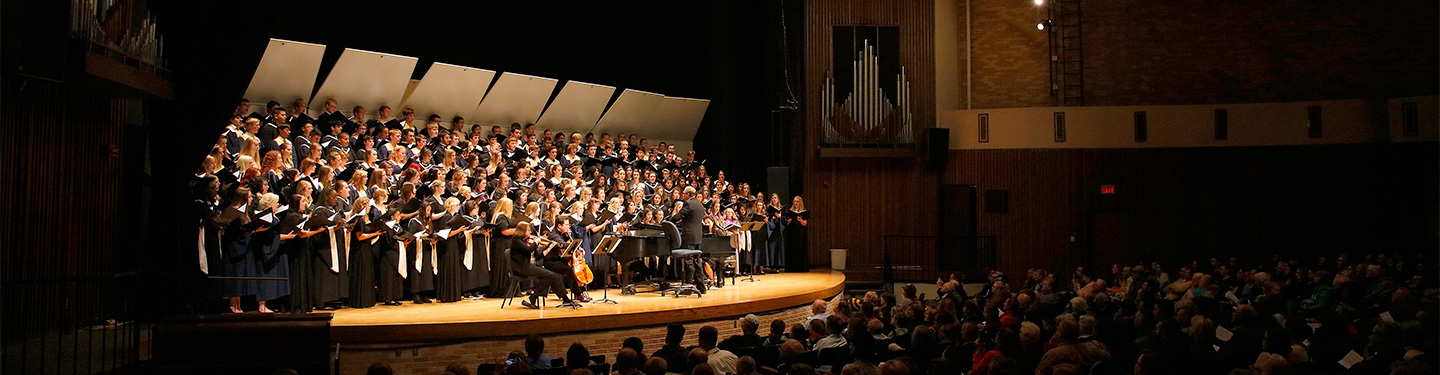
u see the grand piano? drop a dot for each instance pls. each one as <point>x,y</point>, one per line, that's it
<point>652,241</point>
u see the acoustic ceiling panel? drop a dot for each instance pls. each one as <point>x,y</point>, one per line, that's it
<point>516,98</point>
<point>676,118</point>
<point>577,108</point>
<point>449,91</point>
<point>369,79</point>
<point>286,72</point>
<point>630,113</point>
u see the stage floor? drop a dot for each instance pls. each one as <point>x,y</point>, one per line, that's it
<point>478,319</point>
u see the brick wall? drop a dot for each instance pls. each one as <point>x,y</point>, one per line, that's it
<point>1147,53</point>
<point>1008,56</point>
<point>432,360</point>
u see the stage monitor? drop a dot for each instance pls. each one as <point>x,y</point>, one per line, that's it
<point>449,91</point>
<point>369,79</point>
<point>286,72</point>
<point>577,108</point>
<point>516,98</point>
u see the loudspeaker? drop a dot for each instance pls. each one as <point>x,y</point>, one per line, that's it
<point>936,148</point>
<point>778,182</point>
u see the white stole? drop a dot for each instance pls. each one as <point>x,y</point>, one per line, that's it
<point>488,266</point>
<point>204,259</point>
<point>334,252</point>
<point>469,257</point>
<point>347,251</point>
<point>404,271</point>
<point>419,256</point>
<point>434,257</point>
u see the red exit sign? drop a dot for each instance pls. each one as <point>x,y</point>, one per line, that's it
<point>1107,189</point>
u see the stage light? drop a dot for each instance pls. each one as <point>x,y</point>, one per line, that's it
<point>1042,25</point>
<point>1039,2</point>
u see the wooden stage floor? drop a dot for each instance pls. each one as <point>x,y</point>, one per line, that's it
<point>477,319</point>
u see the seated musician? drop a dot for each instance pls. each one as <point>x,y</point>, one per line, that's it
<point>521,253</point>
<point>562,265</point>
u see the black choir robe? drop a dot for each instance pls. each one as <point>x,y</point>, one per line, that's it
<point>389,284</point>
<point>499,265</point>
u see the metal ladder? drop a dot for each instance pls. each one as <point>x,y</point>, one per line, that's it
<point>1072,62</point>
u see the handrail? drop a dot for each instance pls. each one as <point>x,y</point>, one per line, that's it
<point>935,256</point>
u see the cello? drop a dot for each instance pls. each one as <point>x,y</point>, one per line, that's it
<point>583,275</point>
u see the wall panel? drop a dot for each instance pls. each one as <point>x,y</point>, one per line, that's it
<point>1183,203</point>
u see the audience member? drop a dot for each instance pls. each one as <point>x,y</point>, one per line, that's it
<point>627,362</point>
<point>672,352</point>
<point>834,326</point>
<point>722,361</point>
<point>577,357</point>
<point>535,352</point>
<point>747,338</point>
<point>656,366</point>
<point>379,368</point>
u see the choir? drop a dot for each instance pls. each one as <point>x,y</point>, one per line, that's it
<point>338,211</point>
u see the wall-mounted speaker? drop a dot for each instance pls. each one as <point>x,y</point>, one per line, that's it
<point>778,182</point>
<point>936,148</point>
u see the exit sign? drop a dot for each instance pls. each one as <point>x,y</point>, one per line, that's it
<point>1107,189</point>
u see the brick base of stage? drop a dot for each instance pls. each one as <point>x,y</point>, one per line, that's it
<point>434,357</point>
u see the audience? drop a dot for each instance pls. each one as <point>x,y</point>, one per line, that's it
<point>1226,317</point>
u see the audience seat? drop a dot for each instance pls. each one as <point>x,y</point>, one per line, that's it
<point>550,371</point>
<point>763,356</point>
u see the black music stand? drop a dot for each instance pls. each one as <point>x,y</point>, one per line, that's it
<point>606,246</point>
<point>747,227</point>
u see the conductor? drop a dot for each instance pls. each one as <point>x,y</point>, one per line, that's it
<point>689,213</point>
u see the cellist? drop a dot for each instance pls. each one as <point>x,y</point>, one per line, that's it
<point>572,266</point>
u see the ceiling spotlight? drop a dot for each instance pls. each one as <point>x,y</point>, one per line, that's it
<point>1039,2</point>
<point>1042,25</point>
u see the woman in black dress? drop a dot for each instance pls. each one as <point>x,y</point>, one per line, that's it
<point>476,256</point>
<point>298,249</point>
<point>450,246</point>
<point>522,250</point>
<point>796,219</point>
<point>326,261</point>
<point>270,260</point>
<point>362,256</point>
<point>774,232</point>
<point>207,257</point>
<point>236,240</point>
<point>389,282</point>
<point>500,238</point>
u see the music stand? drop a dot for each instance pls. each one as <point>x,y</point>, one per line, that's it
<point>606,246</point>
<point>748,227</point>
